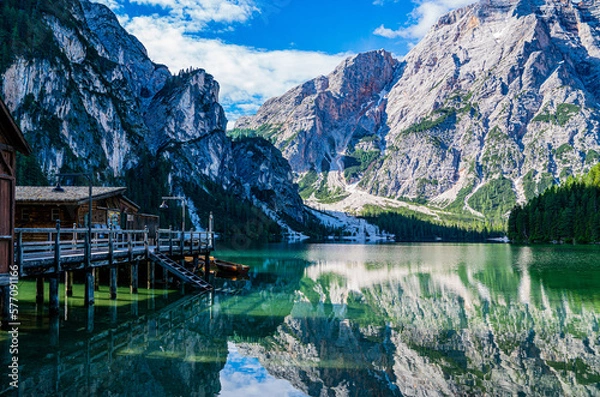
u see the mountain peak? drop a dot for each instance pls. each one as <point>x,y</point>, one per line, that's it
<point>496,103</point>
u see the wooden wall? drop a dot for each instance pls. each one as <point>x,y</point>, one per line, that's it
<point>7,203</point>
<point>40,215</point>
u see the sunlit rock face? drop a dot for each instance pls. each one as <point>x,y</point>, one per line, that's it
<point>93,100</point>
<point>499,90</point>
<point>314,123</point>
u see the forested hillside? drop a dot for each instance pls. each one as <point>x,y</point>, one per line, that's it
<point>408,227</point>
<point>566,213</point>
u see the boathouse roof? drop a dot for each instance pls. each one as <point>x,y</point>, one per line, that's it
<point>77,195</point>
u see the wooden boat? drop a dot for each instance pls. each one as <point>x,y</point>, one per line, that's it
<point>220,267</point>
<point>229,267</point>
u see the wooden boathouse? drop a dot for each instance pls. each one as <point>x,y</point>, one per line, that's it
<point>41,207</point>
<point>11,142</point>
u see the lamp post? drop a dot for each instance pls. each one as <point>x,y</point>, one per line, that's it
<point>164,206</point>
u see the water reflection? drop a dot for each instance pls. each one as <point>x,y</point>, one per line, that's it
<point>243,375</point>
<point>341,320</point>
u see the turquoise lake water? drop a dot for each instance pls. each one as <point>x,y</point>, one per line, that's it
<point>334,320</point>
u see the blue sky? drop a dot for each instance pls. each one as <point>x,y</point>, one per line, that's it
<point>257,49</point>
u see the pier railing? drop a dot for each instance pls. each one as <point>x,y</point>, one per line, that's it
<point>52,250</point>
<point>174,242</point>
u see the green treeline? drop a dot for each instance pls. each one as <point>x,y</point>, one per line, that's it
<point>233,217</point>
<point>566,213</point>
<point>409,228</point>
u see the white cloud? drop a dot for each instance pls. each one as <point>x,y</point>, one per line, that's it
<point>194,15</point>
<point>425,15</point>
<point>112,4</point>
<point>247,76</point>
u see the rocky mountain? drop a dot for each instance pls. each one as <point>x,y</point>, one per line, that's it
<point>496,103</point>
<point>88,98</point>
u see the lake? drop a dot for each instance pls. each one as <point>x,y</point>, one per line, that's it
<point>335,320</point>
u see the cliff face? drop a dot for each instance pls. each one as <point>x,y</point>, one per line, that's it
<point>315,123</point>
<point>496,103</point>
<point>91,99</point>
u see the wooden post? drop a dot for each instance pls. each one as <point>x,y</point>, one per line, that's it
<point>54,301</point>
<point>170,241</point>
<point>54,308</point>
<point>206,266</point>
<point>57,249</point>
<point>151,269</point>
<point>68,283</point>
<point>211,234</point>
<point>20,251</point>
<point>196,262</point>
<point>90,280</point>
<point>112,266</point>
<point>113,282</point>
<point>39,290</point>
<point>157,241</point>
<point>134,277</point>
<point>181,282</point>
<point>182,243</point>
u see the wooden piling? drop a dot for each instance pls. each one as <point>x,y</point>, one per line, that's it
<point>206,266</point>
<point>90,282</point>
<point>53,290</point>
<point>134,277</point>
<point>151,270</point>
<point>112,266</point>
<point>69,284</point>
<point>89,287</point>
<point>54,305</point>
<point>196,262</point>
<point>113,282</point>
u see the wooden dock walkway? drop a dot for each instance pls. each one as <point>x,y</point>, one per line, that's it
<point>55,252</point>
<point>47,251</point>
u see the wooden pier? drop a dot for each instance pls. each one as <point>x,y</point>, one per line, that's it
<point>52,253</point>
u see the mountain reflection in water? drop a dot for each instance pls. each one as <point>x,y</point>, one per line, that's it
<point>356,320</point>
